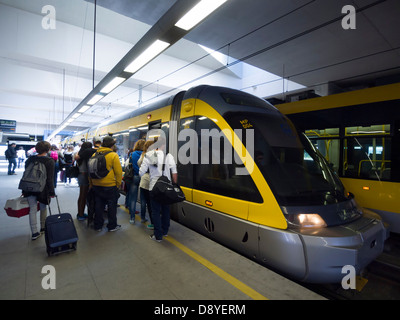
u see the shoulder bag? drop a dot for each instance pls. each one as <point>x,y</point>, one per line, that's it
<point>165,191</point>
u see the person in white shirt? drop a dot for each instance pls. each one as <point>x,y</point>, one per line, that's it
<point>153,161</point>
<point>21,156</point>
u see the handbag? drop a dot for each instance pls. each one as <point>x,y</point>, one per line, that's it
<point>165,191</point>
<point>74,172</point>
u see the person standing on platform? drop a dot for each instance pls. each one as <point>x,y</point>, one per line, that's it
<point>134,185</point>
<point>106,190</point>
<point>11,156</point>
<point>153,161</point>
<point>83,180</point>
<point>21,156</point>
<point>144,189</point>
<point>42,148</point>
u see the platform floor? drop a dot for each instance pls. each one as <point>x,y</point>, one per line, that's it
<point>127,264</point>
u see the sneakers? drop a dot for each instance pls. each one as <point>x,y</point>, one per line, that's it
<point>153,237</point>
<point>117,227</point>
<point>83,218</point>
<point>36,235</point>
<point>132,221</point>
<point>150,227</point>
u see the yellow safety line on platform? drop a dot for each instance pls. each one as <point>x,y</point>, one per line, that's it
<point>218,271</point>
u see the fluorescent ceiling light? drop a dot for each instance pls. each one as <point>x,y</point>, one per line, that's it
<point>112,84</point>
<point>76,115</point>
<point>198,13</point>
<point>84,109</point>
<point>95,99</point>
<point>151,52</point>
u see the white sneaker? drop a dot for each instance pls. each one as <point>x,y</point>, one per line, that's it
<point>153,237</point>
<point>117,227</point>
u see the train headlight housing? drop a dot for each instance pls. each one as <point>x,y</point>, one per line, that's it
<point>306,220</point>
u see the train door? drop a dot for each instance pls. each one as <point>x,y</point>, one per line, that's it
<point>219,196</point>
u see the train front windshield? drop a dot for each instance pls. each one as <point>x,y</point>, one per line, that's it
<point>296,172</point>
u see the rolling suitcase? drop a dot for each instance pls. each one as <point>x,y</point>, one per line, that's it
<point>60,233</point>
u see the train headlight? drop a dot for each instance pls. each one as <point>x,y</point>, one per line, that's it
<point>306,220</point>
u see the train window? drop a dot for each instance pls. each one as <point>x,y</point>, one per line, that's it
<point>367,158</point>
<point>185,168</point>
<point>122,144</point>
<point>158,129</point>
<point>325,133</point>
<point>327,142</point>
<point>242,100</point>
<point>370,130</point>
<point>330,149</point>
<point>296,173</point>
<point>216,169</point>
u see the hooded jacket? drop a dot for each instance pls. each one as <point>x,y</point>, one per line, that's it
<point>114,177</point>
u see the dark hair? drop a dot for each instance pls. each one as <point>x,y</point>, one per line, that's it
<point>42,147</point>
<point>108,142</point>
<point>86,145</point>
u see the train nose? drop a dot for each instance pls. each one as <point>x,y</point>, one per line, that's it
<point>356,244</point>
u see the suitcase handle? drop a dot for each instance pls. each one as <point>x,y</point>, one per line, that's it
<point>58,205</point>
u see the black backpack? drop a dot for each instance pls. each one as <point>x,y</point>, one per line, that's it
<point>68,158</point>
<point>97,165</point>
<point>128,171</point>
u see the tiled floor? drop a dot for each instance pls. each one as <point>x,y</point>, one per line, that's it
<point>125,264</point>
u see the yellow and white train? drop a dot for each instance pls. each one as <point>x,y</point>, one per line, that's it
<point>273,198</point>
<point>358,132</point>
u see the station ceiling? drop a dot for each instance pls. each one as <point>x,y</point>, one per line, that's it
<point>303,41</point>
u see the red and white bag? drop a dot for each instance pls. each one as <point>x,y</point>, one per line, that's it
<point>18,207</point>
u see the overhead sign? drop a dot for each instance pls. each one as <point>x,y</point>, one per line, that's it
<point>8,125</point>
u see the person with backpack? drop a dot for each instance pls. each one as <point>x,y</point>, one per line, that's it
<point>105,172</point>
<point>37,184</point>
<point>11,156</point>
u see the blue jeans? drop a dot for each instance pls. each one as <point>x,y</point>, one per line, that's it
<point>161,218</point>
<point>103,196</point>
<point>145,200</point>
<point>12,162</point>
<point>133,195</point>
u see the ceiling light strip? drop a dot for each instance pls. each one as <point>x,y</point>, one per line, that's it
<point>112,84</point>
<point>198,13</point>
<point>146,56</point>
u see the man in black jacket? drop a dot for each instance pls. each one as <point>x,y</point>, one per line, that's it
<point>11,155</point>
